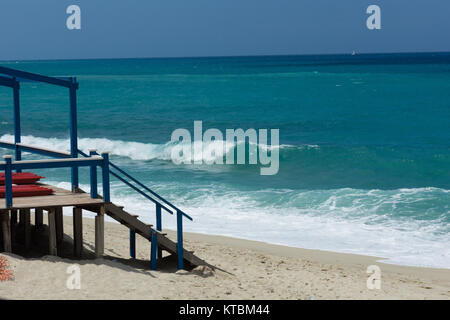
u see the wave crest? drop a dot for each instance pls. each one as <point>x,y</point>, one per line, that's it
<point>138,150</point>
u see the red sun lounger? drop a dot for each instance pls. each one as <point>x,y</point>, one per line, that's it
<point>21,178</point>
<point>27,191</point>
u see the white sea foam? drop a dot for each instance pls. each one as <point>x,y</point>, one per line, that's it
<point>341,220</point>
<point>329,221</point>
<point>136,150</point>
<point>408,226</point>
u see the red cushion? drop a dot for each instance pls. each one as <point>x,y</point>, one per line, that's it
<point>21,178</point>
<point>27,191</point>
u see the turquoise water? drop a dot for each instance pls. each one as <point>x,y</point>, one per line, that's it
<point>364,156</point>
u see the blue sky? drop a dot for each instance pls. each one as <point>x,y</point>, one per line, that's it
<point>36,29</point>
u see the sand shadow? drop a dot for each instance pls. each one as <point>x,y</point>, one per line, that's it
<point>39,249</point>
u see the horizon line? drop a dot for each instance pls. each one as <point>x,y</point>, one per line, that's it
<point>231,56</point>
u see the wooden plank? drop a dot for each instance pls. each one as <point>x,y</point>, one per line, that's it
<point>39,217</point>
<point>26,146</point>
<point>21,217</point>
<point>27,227</point>
<point>61,161</point>
<point>144,230</point>
<point>100,233</point>
<point>66,200</point>
<point>52,248</point>
<point>117,213</point>
<point>13,225</point>
<point>77,232</point>
<point>59,223</point>
<point>61,197</point>
<point>6,232</point>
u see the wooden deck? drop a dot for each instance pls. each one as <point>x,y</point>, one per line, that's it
<point>24,207</point>
<point>13,208</point>
<point>60,198</point>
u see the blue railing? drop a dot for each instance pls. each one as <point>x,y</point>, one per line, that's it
<point>26,148</point>
<point>12,78</point>
<point>159,202</point>
<point>8,166</point>
<point>93,160</point>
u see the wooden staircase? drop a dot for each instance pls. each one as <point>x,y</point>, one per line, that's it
<point>132,222</point>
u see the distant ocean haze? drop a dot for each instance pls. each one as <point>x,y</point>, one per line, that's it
<point>364,144</point>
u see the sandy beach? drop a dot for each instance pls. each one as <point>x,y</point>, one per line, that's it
<point>244,270</point>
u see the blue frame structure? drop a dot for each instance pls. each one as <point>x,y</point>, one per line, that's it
<point>12,78</point>
<point>8,166</point>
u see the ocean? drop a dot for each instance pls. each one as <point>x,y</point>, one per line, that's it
<point>364,144</point>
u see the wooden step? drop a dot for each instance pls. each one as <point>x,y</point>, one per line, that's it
<point>131,214</point>
<point>160,233</point>
<point>144,230</point>
<point>141,228</point>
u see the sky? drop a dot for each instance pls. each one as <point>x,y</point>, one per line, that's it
<point>36,29</point>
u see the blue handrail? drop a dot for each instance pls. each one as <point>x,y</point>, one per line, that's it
<point>143,186</point>
<point>140,191</point>
<point>65,160</point>
<point>149,190</point>
<point>180,214</point>
<point>8,166</point>
<point>36,150</point>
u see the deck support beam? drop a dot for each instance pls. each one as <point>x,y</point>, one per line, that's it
<point>21,216</point>
<point>13,225</point>
<point>77,232</point>
<point>59,223</point>
<point>53,251</point>
<point>6,232</point>
<point>38,218</point>
<point>100,233</point>
<point>27,227</point>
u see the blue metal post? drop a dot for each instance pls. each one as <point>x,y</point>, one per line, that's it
<point>94,192</point>
<point>73,131</point>
<point>180,240</point>
<point>158,224</point>
<point>158,217</point>
<point>17,131</point>
<point>154,250</point>
<point>132,244</point>
<point>8,181</point>
<point>105,177</point>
